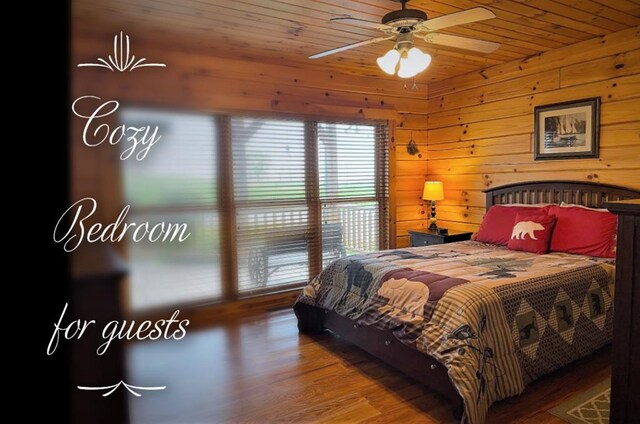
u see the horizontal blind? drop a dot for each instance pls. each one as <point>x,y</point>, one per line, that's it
<point>346,161</point>
<point>175,183</point>
<point>272,215</point>
<point>180,169</point>
<point>352,186</point>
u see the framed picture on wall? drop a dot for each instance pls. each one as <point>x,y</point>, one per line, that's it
<point>568,130</point>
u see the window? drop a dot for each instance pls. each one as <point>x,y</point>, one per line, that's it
<point>272,217</point>
<point>352,169</point>
<point>300,194</point>
<point>175,183</point>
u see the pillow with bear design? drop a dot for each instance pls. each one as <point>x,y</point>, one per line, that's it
<point>497,224</point>
<point>532,232</point>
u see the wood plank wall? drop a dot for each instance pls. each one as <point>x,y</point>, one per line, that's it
<point>203,83</point>
<point>477,128</point>
<point>473,132</point>
<point>410,174</point>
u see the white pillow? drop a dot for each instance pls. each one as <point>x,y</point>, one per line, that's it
<point>528,205</point>
<point>573,205</point>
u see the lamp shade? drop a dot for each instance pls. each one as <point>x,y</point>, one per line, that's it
<point>433,190</point>
<point>414,63</point>
<point>389,61</point>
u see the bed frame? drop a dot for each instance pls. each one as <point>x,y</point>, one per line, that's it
<point>593,195</point>
<point>420,366</point>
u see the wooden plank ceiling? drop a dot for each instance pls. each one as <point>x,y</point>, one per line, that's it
<point>287,31</point>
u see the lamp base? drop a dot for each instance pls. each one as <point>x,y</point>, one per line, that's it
<point>432,219</point>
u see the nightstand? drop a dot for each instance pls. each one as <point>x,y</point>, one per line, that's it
<point>426,237</point>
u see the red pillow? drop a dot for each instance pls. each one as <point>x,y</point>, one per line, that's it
<point>497,224</point>
<point>585,232</point>
<point>532,232</point>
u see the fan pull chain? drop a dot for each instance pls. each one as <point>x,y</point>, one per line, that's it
<point>414,86</point>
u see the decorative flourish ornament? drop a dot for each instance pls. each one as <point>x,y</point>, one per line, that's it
<point>122,60</point>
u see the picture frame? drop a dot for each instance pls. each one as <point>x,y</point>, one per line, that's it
<point>567,130</point>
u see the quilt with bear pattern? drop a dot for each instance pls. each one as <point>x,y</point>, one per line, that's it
<point>496,318</point>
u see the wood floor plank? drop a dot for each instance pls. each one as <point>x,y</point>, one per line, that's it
<point>260,370</point>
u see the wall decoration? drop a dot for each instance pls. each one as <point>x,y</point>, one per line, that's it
<point>568,130</point>
<point>412,147</point>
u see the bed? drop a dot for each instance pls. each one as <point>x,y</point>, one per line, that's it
<point>473,321</point>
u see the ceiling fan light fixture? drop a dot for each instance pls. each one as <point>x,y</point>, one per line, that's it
<point>413,63</point>
<point>404,25</point>
<point>389,61</point>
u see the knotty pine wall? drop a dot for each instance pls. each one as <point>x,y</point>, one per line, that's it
<point>473,132</point>
<point>197,82</point>
<point>409,176</point>
<point>478,128</point>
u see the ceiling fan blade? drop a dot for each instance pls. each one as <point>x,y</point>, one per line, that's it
<point>361,23</point>
<point>459,18</point>
<point>461,42</point>
<point>350,46</point>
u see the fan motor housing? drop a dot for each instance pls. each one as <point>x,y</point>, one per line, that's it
<point>404,17</point>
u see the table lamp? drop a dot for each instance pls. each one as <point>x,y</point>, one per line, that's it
<point>433,191</point>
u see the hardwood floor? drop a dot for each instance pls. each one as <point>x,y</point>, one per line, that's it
<point>259,369</point>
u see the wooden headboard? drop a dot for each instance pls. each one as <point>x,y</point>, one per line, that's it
<point>577,192</point>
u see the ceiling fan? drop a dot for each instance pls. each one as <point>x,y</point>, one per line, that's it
<point>405,24</point>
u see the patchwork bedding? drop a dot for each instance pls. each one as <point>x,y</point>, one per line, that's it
<point>496,318</point>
